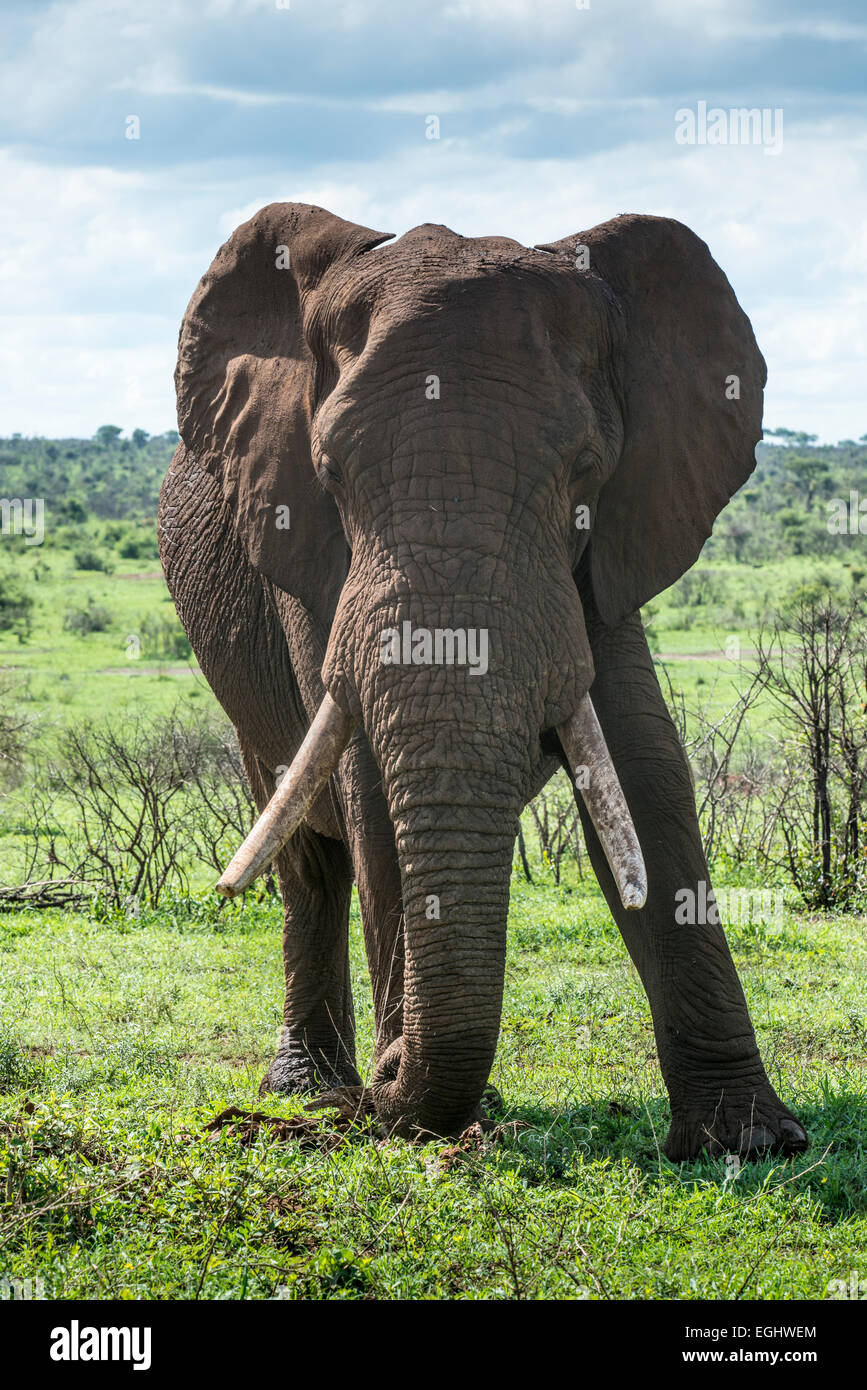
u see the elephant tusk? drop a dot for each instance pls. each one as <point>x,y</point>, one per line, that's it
<point>585,747</point>
<point>311,768</point>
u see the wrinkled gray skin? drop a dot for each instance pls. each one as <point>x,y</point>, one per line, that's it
<point>602,378</point>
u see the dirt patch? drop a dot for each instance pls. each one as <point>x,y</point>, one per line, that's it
<point>136,669</point>
<point>247,1125</point>
<point>717,655</point>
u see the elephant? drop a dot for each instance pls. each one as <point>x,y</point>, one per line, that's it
<point>422,489</point>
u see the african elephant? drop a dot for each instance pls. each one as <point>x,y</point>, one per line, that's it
<point>421,493</point>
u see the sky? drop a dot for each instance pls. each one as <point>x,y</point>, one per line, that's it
<point>553,116</point>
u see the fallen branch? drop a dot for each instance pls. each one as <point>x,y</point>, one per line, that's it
<point>49,892</point>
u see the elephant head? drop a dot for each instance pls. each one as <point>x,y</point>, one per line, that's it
<point>427,444</point>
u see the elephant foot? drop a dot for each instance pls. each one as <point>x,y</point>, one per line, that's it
<point>301,1067</point>
<point>415,1114</point>
<point>750,1123</point>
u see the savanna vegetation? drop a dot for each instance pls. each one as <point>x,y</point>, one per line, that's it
<point>137,1011</point>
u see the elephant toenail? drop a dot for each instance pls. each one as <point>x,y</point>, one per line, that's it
<point>758,1139</point>
<point>794,1134</point>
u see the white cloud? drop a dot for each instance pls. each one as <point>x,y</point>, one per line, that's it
<point>65,374</point>
<point>99,252</point>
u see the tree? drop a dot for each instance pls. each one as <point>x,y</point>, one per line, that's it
<point>737,536</point>
<point>73,510</point>
<point>140,438</point>
<point>788,437</point>
<point>107,434</point>
<point>809,475</point>
<point>793,527</point>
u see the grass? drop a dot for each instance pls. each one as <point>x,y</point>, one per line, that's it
<point>121,1039</point>
<point>708,644</point>
<point>67,677</point>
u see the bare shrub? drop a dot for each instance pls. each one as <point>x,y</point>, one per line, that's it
<point>813,665</point>
<point>557,826</point>
<point>736,777</point>
<point>128,809</point>
<point>791,797</point>
<point>16,729</point>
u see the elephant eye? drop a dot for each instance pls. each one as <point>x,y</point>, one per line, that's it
<point>328,472</point>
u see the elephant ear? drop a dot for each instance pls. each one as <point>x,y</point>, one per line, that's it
<point>245,390</point>
<point>690,380</point>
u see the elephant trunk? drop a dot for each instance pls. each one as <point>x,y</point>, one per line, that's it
<point>455,864</point>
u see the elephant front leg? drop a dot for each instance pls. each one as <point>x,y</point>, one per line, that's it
<point>721,1098</point>
<point>377,873</point>
<point>317,1040</point>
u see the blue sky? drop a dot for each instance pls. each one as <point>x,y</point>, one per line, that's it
<point>552,118</point>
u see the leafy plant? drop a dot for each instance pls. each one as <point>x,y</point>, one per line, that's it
<point>95,617</point>
<point>16,607</point>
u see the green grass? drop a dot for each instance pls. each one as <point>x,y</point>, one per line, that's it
<point>66,677</point>
<point>708,645</point>
<point>120,1039</point>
